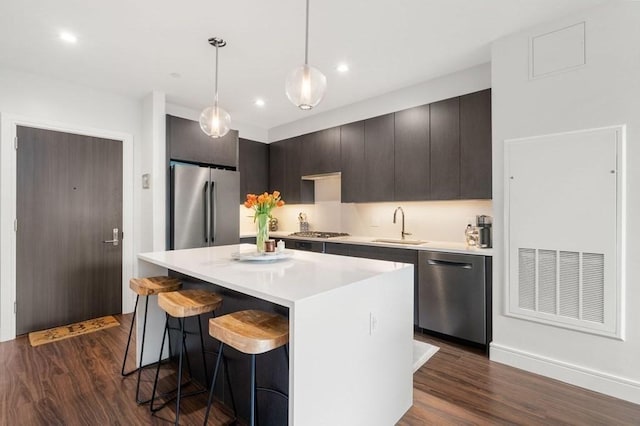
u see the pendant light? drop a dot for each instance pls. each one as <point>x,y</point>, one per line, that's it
<point>306,85</point>
<point>215,121</point>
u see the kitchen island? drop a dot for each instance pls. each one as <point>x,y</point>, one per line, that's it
<point>351,327</point>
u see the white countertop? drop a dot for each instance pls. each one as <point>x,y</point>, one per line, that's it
<point>283,282</point>
<point>445,246</point>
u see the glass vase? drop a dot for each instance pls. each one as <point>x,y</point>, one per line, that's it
<point>262,221</point>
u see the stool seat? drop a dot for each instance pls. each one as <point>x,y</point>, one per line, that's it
<point>188,303</point>
<point>153,285</point>
<point>251,331</point>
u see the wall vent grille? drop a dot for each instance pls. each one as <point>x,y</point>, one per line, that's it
<point>593,287</point>
<point>562,283</point>
<point>527,281</point>
<point>569,284</point>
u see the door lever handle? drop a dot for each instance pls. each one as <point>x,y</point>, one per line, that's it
<point>115,240</point>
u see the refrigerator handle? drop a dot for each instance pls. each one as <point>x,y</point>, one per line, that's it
<point>213,213</point>
<point>206,215</point>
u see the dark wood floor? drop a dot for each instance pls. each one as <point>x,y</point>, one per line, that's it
<point>77,382</point>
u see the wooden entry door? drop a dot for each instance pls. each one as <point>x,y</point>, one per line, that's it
<point>69,200</point>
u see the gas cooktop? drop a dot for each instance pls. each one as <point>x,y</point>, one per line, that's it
<point>319,234</point>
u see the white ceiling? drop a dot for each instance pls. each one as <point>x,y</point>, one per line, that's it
<point>132,46</point>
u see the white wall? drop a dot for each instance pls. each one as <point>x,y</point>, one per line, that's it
<point>154,147</point>
<point>448,86</point>
<point>604,92</point>
<point>41,99</point>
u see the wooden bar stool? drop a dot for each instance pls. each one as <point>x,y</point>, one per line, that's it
<point>250,332</point>
<point>184,304</point>
<point>145,287</point>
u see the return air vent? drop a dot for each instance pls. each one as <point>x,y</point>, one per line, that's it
<point>593,287</point>
<point>550,283</point>
<point>564,204</point>
<point>569,284</point>
<point>527,282</point>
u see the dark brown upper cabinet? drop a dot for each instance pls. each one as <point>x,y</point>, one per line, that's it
<point>284,172</point>
<point>276,167</point>
<point>378,156</point>
<point>475,145</point>
<point>187,142</point>
<point>353,189</point>
<point>253,165</point>
<point>439,151</point>
<point>412,154</point>
<point>445,150</point>
<point>321,152</point>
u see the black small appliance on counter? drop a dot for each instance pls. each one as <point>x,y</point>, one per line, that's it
<point>483,223</point>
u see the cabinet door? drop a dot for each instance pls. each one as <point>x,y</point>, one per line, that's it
<point>352,160</point>
<point>292,181</point>
<point>445,150</point>
<point>475,145</point>
<point>412,154</point>
<point>378,155</point>
<point>253,165</point>
<point>276,168</point>
<point>187,142</point>
<point>321,152</point>
<point>296,191</point>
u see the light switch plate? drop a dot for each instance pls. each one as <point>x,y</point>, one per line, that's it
<point>146,181</point>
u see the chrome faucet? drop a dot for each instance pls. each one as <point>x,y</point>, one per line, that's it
<point>402,233</point>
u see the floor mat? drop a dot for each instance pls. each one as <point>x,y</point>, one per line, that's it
<point>38,338</point>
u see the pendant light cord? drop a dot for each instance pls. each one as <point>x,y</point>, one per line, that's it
<point>306,38</point>
<point>215,101</point>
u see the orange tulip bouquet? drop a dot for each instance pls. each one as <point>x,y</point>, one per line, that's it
<point>262,205</point>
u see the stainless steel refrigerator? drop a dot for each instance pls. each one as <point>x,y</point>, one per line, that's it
<point>204,206</point>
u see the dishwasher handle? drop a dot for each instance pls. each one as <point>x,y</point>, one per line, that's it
<point>449,263</point>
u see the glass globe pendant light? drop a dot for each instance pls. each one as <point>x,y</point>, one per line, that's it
<point>306,85</point>
<point>215,121</point>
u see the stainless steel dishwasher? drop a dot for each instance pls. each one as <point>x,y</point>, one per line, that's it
<point>452,295</point>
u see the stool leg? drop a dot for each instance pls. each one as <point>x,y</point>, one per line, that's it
<point>180,372</point>
<point>126,351</point>
<point>233,400</point>
<point>144,332</point>
<point>155,382</point>
<point>213,383</point>
<point>204,359</point>
<point>252,419</point>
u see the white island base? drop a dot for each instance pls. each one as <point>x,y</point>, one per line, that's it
<point>351,327</point>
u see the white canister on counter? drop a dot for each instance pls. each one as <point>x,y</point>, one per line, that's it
<point>280,245</point>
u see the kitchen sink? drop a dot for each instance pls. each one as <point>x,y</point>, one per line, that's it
<point>399,241</point>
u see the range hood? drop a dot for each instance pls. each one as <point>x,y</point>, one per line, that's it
<point>321,176</point>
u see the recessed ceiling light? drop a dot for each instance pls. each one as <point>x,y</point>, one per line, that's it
<point>342,67</point>
<point>259,102</point>
<point>68,37</point>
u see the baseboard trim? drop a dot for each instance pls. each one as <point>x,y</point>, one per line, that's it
<point>608,384</point>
